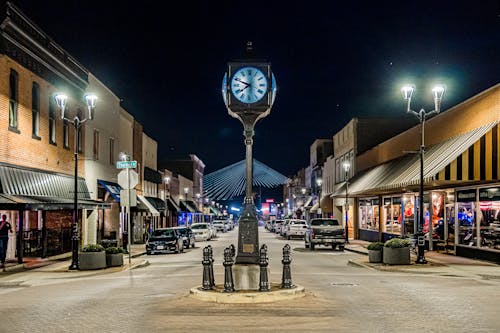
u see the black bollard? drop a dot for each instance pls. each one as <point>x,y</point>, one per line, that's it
<point>211,258</point>
<point>207,281</point>
<point>263,262</point>
<point>228,272</point>
<point>286,280</point>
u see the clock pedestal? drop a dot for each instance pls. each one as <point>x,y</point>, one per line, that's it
<point>248,236</point>
<point>246,277</point>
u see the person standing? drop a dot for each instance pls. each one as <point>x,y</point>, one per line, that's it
<point>5,227</point>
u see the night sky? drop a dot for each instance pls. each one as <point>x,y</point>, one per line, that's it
<point>332,62</point>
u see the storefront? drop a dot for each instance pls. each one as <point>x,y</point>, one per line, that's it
<point>369,217</point>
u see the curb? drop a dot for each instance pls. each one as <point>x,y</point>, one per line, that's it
<point>246,297</point>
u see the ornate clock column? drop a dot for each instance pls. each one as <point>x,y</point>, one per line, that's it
<point>248,90</point>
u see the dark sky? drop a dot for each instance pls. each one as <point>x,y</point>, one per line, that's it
<point>332,62</point>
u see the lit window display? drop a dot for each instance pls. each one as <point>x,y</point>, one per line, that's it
<point>466,215</point>
<point>392,215</point>
<point>409,215</point>
<point>490,217</point>
<point>369,214</point>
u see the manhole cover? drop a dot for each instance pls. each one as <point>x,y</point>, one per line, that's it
<point>340,284</point>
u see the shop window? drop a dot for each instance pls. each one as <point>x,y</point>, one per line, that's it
<point>467,223</point>
<point>369,215</point>
<point>409,215</point>
<point>490,217</point>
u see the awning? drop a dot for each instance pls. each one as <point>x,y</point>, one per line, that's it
<point>172,206</point>
<point>112,188</point>
<point>308,201</point>
<point>405,171</point>
<point>157,203</point>
<point>25,202</point>
<point>315,207</point>
<point>215,211</point>
<point>327,204</point>
<point>189,206</point>
<point>150,207</point>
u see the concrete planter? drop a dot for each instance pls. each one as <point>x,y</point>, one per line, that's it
<point>92,260</point>
<point>396,256</point>
<point>115,259</point>
<point>375,255</point>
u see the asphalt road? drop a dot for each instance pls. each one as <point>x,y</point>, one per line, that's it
<point>340,298</point>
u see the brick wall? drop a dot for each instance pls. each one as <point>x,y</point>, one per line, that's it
<point>20,148</point>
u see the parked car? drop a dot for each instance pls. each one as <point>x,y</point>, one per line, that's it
<point>325,231</point>
<point>221,225</point>
<point>201,231</point>
<point>295,228</point>
<point>213,230</point>
<point>187,236</point>
<point>283,227</point>
<point>165,240</point>
<point>277,226</point>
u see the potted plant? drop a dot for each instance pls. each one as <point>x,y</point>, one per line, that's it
<point>397,251</point>
<point>92,256</point>
<point>375,251</point>
<point>114,256</point>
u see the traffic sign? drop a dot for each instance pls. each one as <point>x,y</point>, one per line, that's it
<point>126,164</point>
<point>124,200</point>
<point>128,183</point>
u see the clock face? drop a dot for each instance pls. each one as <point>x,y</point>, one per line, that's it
<point>249,85</point>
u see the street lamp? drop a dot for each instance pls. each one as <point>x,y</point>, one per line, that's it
<point>347,167</point>
<point>319,182</point>
<point>90,101</point>
<point>407,92</point>
<point>186,191</point>
<point>167,197</point>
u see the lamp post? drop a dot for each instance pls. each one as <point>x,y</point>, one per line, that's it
<point>347,167</point>
<point>90,101</point>
<point>407,92</point>
<point>319,182</point>
<point>186,191</point>
<point>167,197</point>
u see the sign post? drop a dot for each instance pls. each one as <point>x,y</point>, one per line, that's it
<point>130,181</point>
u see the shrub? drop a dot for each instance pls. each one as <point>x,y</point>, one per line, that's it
<point>397,243</point>
<point>114,250</point>
<point>93,248</point>
<point>375,246</point>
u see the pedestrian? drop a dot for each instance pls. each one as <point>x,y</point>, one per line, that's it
<point>4,238</point>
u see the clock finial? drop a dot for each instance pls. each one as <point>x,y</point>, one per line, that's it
<point>250,51</point>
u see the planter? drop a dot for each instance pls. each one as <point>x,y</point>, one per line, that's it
<point>115,259</point>
<point>374,256</point>
<point>396,256</point>
<point>92,260</point>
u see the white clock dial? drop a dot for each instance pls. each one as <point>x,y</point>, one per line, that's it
<point>249,85</point>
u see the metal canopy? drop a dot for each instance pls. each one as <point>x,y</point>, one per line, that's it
<point>229,182</point>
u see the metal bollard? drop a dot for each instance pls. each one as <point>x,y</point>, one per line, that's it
<point>211,271</point>
<point>207,281</point>
<point>286,280</point>
<point>228,272</point>
<point>263,262</point>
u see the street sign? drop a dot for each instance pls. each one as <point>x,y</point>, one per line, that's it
<point>126,164</point>
<point>124,201</point>
<point>130,183</point>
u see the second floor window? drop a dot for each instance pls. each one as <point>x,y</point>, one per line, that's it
<point>66,134</point>
<point>13,99</point>
<point>96,145</point>
<point>111,151</point>
<point>52,121</point>
<point>35,110</point>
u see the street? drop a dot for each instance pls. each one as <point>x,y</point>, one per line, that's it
<point>340,297</point>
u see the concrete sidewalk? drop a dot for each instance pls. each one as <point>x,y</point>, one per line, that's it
<point>446,264</point>
<point>61,262</point>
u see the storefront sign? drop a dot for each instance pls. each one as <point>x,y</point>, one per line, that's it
<point>466,195</point>
<point>489,194</point>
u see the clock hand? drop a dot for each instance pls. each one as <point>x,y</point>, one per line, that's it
<point>239,80</point>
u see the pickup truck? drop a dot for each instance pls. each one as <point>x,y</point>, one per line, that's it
<point>325,231</point>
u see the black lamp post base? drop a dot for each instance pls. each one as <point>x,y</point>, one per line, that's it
<point>73,267</point>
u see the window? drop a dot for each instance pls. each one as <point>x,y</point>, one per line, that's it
<point>52,121</point>
<point>111,151</point>
<point>13,102</point>
<point>35,110</point>
<point>96,145</point>
<point>66,134</point>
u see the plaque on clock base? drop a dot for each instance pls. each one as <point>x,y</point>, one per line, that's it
<point>246,277</point>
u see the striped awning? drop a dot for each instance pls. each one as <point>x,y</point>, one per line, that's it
<point>405,171</point>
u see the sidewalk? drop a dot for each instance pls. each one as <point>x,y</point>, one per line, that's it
<point>438,263</point>
<point>61,262</point>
